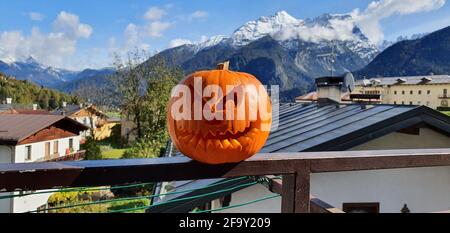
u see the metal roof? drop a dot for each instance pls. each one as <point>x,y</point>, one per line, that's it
<point>406,80</point>
<point>17,127</point>
<point>330,127</point>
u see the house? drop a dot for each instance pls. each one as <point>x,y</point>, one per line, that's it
<point>428,90</point>
<point>105,127</point>
<point>86,114</point>
<point>28,138</point>
<point>128,129</point>
<point>22,109</point>
<point>330,125</point>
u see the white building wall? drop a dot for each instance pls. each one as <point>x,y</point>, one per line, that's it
<point>38,149</point>
<point>31,202</point>
<point>86,120</point>
<point>422,189</point>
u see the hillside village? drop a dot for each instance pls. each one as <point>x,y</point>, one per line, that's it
<point>374,128</point>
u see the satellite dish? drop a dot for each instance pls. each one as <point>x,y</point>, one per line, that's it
<point>349,82</point>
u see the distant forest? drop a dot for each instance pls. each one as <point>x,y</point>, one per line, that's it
<point>24,92</point>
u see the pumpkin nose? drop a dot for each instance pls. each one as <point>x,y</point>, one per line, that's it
<point>213,108</point>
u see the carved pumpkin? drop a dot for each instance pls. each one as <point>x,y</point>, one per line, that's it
<point>226,140</point>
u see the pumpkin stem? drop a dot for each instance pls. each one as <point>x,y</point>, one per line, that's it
<point>223,65</point>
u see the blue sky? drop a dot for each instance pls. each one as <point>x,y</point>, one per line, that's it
<point>84,33</point>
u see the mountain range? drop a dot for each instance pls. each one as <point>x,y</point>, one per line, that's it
<point>422,56</point>
<point>280,50</point>
<point>30,69</point>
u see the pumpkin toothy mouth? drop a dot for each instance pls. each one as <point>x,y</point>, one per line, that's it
<point>227,140</point>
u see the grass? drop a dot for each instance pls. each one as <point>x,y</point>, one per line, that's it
<point>446,112</point>
<point>113,154</point>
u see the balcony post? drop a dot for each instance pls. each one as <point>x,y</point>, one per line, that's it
<point>296,191</point>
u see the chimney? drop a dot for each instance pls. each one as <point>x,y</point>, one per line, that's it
<point>8,100</point>
<point>64,104</point>
<point>329,89</point>
<point>34,107</point>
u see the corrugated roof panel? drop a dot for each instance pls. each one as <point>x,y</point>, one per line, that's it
<point>347,126</point>
<point>294,128</point>
<point>321,128</point>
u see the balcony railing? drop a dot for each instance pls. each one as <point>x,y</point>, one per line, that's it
<point>295,169</point>
<point>79,155</point>
<point>444,96</point>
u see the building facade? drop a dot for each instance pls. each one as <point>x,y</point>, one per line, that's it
<point>35,138</point>
<point>87,115</point>
<point>432,91</point>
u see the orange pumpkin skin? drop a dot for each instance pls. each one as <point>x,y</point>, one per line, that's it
<point>220,141</point>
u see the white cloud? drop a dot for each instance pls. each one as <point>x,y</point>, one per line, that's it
<point>35,16</point>
<point>198,15</point>
<point>178,42</point>
<point>132,41</point>
<point>369,19</point>
<point>155,29</point>
<point>339,29</point>
<point>70,24</point>
<point>55,48</point>
<point>135,35</point>
<point>154,13</point>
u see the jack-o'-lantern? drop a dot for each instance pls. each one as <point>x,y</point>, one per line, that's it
<point>242,116</point>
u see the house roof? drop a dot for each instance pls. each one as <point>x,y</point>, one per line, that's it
<point>330,127</point>
<point>312,97</point>
<point>17,127</point>
<point>406,80</point>
<point>71,109</point>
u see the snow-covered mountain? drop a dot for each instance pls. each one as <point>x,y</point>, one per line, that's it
<point>30,69</point>
<point>283,50</point>
<point>289,31</point>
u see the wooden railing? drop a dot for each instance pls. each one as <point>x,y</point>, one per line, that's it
<point>75,156</point>
<point>295,169</point>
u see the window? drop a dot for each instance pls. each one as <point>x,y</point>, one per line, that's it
<point>28,153</point>
<point>47,150</point>
<point>395,102</point>
<point>403,92</point>
<point>369,207</point>
<point>428,92</point>
<point>411,92</point>
<point>420,92</point>
<point>395,92</point>
<point>403,102</point>
<point>71,143</point>
<point>410,103</point>
<point>445,92</point>
<point>428,103</point>
<point>55,148</point>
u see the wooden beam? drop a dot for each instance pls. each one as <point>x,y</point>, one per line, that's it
<point>288,194</point>
<point>302,190</point>
<point>35,176</point>
<point>319,206</point>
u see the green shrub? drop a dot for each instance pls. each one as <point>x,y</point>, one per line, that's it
<point>122,205</point>
<point>143,149</point>
<point>62,198</point>
<point>93,151</point>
